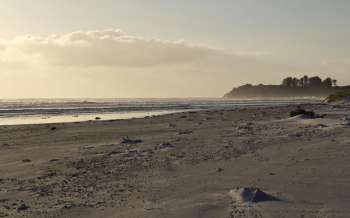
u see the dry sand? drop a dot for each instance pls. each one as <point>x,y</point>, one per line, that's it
<point>184,166</point>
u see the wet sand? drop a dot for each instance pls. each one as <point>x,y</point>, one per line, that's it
<point>179,165</point>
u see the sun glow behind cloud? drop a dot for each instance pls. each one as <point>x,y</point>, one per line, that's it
<point>147,66</point>
<point>112,63</point>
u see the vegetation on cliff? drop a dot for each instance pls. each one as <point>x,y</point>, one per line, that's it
<point>290,87</point>
<point>338,97</point>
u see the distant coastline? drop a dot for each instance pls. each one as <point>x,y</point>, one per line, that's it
<point>290,88</point>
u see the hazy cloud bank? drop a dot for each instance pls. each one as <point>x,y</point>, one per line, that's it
<point>111,63</point>
<point>107,48</point>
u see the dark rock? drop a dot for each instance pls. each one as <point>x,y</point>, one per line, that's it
<point>22,207</point>
<point>165,145</point>
<point>303,112</point>
<point>131,141</point>
<point>321,125</point>
<point>185,132</point>
<point>41,190</point>
<point>219,169</point>
<point>53,160</point>
<point>68,205</point>
<point>250,195</point>
<point>53,128</point>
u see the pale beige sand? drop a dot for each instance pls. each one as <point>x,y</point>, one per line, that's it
<point>185,167</point>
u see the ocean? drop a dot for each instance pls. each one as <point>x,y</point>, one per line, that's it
<point>39,111</point>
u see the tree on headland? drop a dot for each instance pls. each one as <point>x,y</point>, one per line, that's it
<point>315,81</point>
<point>334,81</point>
<point>308,82</point>
<point>328,82</point>
<point>295,82</point>
<point>288,82</point>
<point>290,87</point>
<point>292,82</point>
<point>305,81</point>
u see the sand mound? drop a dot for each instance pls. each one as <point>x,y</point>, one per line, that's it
<point>250,195</point>
<point>337,99</point>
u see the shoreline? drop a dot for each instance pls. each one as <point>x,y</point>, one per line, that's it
<point>42,119</point>
<point>178,165</point>
<point>66,119</point>
<point>56,111</point>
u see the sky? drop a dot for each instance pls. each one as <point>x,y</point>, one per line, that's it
<point>166,48</point>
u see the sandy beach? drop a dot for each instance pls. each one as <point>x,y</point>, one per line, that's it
<point>179,165</point>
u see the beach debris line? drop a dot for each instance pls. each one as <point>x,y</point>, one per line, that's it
<point>185,132</point>
<point>250,195</point>
<point>305,114</point>
<point>127,140</point>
